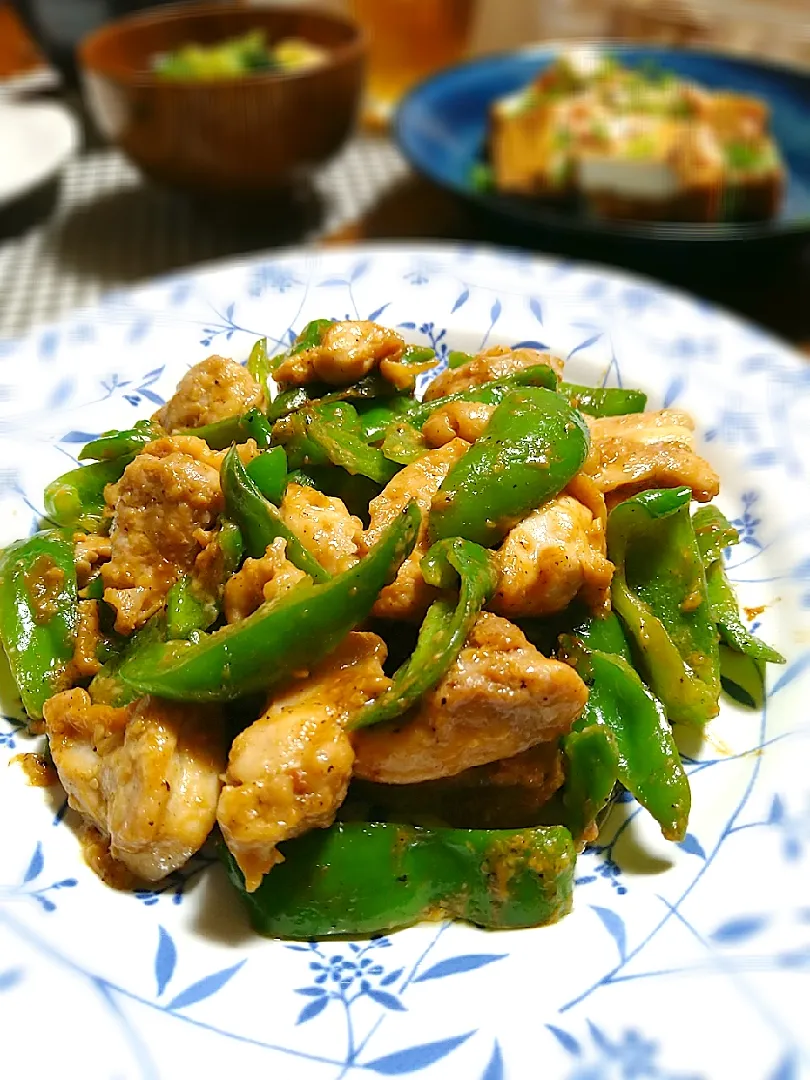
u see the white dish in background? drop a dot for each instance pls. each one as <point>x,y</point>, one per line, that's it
<point>36,140</point>
<point>678,961</point>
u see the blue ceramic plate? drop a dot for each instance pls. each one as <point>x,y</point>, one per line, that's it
<point>441,127</point>
<point>681,961</point>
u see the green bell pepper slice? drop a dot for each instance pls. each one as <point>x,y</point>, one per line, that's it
<point>714,533</point>
<point>602,633</point>
<point>659,593</point>
<point>592,769</point>
<point>341,413</point>
<point>259,521</point>
<point>456,359</point>
<point>742,677</point>
<point>491,393</point>
<point>190,607</point>
<point>533,445</point>
<point>234,429</point>
<point>39,615</point>
<point>76,499</point>
<point>288,635</point>
<point>116,444</point>
<point>378,415</point>
<point>603,400</point>
<point>725,611</point>
<point>268,471</point>
<point>286,403</point>
<point>649,764</point>
<point>418,354</point>
<point>366,878</point>
<point>403,443</point>
<point>444,630</point>
<point>370,389</point>
<point>187,610</point>
<point>261,367</point>
<point>310,440</point>
<point>106,687</point>
<point>311,336</point>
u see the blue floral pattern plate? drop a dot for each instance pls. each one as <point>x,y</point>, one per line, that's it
<point>678,961</point>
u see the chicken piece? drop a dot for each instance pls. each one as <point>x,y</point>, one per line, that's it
<point>459,420</point>
<point>147,776</point>
<point>509,794</point>
<point>324,526</point>
<point>555,554</point>
<point>500,697</point>
<point>166,495</point>
<point>347,352</point>
<point>89,550</point>
<point>539,768</point>
<point>88,638</point>
<point>495,363</point>
<point>402,373</point>
<point>212,390</point>
<point>408,597</point>
<point>260,580</point>
<point>290,770</point>
<point>641,450</point>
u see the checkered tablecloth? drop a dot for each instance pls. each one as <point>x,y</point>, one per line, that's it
<point>109,228</point>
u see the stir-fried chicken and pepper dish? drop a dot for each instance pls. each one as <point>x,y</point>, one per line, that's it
<point>396,655</point>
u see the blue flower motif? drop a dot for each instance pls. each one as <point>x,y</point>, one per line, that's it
<point>177,883</point>
<point>795,828</point>
<point>630,1057</point>
<point>8,737</point>
<point>606,868</point>
<point>734,426</point>
<point>748,523</point>
<point>144,390</point>
<point>39,893</point>
<point>417,276</point>
<point>347,977</point>
<point>271,276</point>
<point>692,348</point>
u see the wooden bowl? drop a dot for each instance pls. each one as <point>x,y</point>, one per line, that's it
<point>239,135</point>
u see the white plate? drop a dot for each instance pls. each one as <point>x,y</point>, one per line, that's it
<point>36,139</point>
<point>677,962</point>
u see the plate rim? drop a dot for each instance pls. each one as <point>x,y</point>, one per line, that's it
<point>434,248</point>
<point>349,252</point>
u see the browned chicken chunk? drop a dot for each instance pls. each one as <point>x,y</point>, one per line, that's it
<point>89,551</point>
<point>459,420</point>
<point>642,450</point>
<point>260,580</point>
<point>169,492</point>
<point>408,597</point>
<point>290,770</point>
<point>499,698</point>
<point>554,555</point>
<point>146,776</point>
<point>347,352</point>
<point>88,638</point>
<point>324,526</point>
<point>212,390</point>
<point>495,363</point>
<point>509,794</point>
